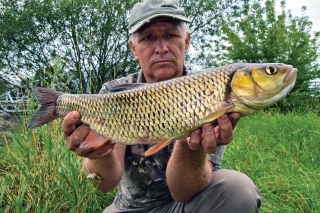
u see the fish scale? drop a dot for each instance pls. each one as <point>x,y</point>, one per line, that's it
<point>162,112</point>
<point>118,107</point>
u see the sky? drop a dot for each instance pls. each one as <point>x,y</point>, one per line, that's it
<point>313,10</point>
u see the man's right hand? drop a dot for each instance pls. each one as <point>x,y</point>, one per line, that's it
<point>76,137</point>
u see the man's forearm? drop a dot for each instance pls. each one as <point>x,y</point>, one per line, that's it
<point>188,172</point>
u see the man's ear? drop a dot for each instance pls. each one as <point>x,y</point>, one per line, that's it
<point>187,41</point>
<point>133,50</point>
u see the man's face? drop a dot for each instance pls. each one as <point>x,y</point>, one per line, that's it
<point>160,48</point>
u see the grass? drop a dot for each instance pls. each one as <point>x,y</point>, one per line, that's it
<point>280,153</point>
<point>39,174</point>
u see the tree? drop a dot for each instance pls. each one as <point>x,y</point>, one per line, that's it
<point>88,37</point>
<point>259,34</point>
<point>3,87</point>
<point>207,17</point>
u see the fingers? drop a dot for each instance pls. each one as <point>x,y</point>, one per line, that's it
<point>203,138</point>
<point>210,136</point>
<point>224,131</point>
<point>68,123</point>
<point>234,118</point>
<point>75,135</point>
<point>226,125</point>
<point>195,139</point>
<point>103,150</point>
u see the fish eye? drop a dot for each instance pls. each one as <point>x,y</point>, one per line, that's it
<point>271,70</point>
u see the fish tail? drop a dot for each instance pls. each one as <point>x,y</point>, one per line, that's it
<point>47,111</point>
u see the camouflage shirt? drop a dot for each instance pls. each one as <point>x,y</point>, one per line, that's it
<point>143,183</point>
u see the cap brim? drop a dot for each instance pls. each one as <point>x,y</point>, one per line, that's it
<point>137,26</point>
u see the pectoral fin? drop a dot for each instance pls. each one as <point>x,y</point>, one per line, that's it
<point>224,108</point>
<point>157,147</point>
<point>94,141</point>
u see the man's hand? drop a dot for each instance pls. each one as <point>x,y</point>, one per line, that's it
<point>189,157</point>
<point>210,136</point>
<point>77,136</point>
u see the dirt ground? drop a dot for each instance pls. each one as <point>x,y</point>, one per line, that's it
<point>7,122</point>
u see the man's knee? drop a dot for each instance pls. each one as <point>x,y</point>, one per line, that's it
<point>238,190</point>
<point>230,191</point>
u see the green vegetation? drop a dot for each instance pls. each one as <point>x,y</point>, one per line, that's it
<point>82,44</point>
<point>76,46</point>
<point>260,34</point>
<point>279,152</point>
<point>39,174</point>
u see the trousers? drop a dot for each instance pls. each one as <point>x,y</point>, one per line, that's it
<point>229,192</point>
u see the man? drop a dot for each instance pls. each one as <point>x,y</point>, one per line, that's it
<point>186,175</point>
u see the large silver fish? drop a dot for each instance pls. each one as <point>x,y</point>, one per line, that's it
<point>162,112</point>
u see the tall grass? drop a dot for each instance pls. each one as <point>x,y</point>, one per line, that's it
<point>281,153</point>
<point>39,174</point>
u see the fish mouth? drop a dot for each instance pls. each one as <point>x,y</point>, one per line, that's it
<point>291,75</point>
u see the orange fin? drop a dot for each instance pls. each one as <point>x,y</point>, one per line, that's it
<point>157,147</point>
<point>94,141</point>
<point>216,114</point>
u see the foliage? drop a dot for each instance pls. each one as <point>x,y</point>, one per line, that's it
<point>206,17</point>
<point>278,152</point>
<point>88,37</point>
<point>4,86</point>
<point>54,76</point>
<point>77,45</point>
<point>39,174</point>
<point>259,34</point>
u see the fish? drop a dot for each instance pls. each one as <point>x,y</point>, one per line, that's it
<point>162,112</point>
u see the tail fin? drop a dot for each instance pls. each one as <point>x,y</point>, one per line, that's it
<point>47,111</point>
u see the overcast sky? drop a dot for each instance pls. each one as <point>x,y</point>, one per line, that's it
<point>313,10</point>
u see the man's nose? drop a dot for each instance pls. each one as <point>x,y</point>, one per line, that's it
<point>161,47</point>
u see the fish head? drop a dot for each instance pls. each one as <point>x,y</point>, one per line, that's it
<point>260,85</point>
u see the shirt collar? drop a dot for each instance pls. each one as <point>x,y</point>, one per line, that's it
<point>142,79</point>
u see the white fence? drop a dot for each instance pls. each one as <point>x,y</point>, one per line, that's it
<point>14,101</point>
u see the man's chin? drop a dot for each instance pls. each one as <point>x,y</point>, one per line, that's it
<point>166,74</point>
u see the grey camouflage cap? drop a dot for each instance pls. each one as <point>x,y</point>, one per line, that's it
<point>144,11</point>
